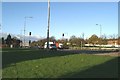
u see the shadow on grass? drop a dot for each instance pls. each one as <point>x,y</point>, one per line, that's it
<point>108,69</point>
<point>13,57</point>
<point>18,55</point>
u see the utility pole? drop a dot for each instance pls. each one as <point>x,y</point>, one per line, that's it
<point>48,24</point>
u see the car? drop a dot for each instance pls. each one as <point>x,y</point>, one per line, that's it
<point>53,47</point>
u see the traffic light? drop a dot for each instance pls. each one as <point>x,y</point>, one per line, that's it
<point>63,34</point>
<point>29,41</point>
<point>29,33</point>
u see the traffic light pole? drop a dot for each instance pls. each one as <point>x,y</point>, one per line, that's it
<point>48,24</point>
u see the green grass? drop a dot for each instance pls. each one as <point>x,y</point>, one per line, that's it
<point>56,64</point>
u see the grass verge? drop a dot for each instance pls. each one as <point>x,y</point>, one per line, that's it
<point>55,64</point>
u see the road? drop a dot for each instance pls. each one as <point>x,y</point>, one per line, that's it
<point>89,51</point>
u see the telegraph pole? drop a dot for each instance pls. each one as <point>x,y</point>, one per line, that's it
<point>48,24</point>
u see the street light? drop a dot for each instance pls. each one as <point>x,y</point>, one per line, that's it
<point>100,29</point>
<point>48,24</point>
<point>100,32</point>
<point>0,27</point>
<point>26,17</point>
<point>81,40</point>
<point>63,35</point>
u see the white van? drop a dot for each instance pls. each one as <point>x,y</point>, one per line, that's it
<point>52,46</point>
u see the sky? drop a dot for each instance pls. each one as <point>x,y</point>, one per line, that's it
<point>60,0</point>
<point>119,19</point>
<point>70,18</point>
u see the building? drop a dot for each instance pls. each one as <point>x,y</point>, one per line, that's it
<point>113,42</point>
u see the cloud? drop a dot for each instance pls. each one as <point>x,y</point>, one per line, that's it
<point>21,37</point>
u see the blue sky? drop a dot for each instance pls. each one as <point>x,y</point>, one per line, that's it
<point>71,18</point>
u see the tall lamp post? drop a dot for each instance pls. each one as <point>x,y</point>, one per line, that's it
<point>0,27</point>
<point>48,24</point>
<point>100,32</point>
<point>81,40</point>
<point>26,17</point>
